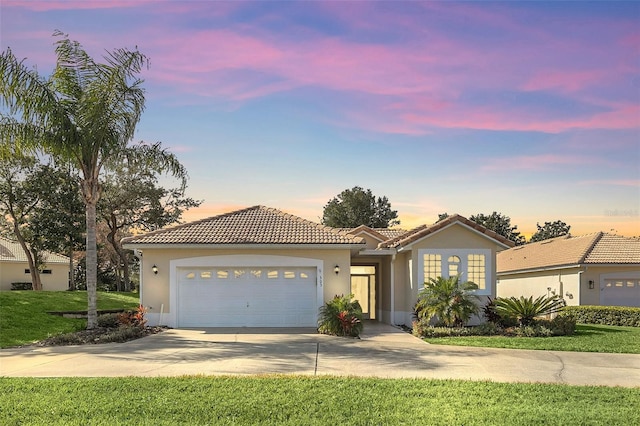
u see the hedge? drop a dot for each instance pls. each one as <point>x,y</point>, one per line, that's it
<point>606,315</point>
<point>22,286</point>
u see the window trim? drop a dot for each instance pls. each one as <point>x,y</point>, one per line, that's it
<point>463,265</point>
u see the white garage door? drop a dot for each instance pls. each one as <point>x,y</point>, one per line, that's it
<point>621,292</point>
<point>247,297</point>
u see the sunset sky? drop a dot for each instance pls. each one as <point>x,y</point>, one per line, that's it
<point>531,109</point>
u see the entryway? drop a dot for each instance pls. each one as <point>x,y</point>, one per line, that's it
<point>363,287</point>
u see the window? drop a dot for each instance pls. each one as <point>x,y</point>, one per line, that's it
<point>304,275</point>
<point>289,274</point>
<point>222,275</point>
<point>476,270</point>
<point>272,274</point>
<point>27,271</point>
<point>470,264</point>
<point>205,274</point>
<point>256,273</point>
<point>191,275</point>
<point>239,273</point>
<point>454,265</point>
<point>432,266</point>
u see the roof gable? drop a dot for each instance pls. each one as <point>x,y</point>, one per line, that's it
<point>253,225</point>
<point>597,248</point>
<point>424,231</point>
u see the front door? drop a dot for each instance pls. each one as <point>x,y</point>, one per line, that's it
<point>363,287</point>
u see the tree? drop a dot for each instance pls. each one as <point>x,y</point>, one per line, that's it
<point>355,207</point>
<point>132,199</point>
<point>550,230</point>
<point>20,193</point>
<point>450,301</point>
<point>442,216</point>
<point>85,112</point>
<point>501,225</point>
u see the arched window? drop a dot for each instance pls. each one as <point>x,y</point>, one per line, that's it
<point>454,265</point>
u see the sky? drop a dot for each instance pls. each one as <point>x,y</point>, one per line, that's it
<point>530,109</point>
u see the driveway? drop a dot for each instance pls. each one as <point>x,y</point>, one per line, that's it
<point>383,351</point>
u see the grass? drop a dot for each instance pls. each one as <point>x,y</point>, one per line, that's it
<point>24,318</point>
<point>588,338</point>
<point>308,400</point>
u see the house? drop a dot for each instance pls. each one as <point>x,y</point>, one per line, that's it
<point>593,269</point>
<point>261,267</point>
<point>14,268</point>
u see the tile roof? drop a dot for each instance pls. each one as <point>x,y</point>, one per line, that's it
<point>596,248</point>
<point>383,234</point>
<point>425,230</point>
<point>11,251</point>
<point>253,225</point>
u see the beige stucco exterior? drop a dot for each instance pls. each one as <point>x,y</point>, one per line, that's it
<point>399,270</point>
<point>156,291</point>
<point>572,282</point>
<point>13,272</point>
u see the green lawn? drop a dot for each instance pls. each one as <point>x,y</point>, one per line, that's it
<point>588,338</point>
<point>24,318</point>
<point>308,400</point>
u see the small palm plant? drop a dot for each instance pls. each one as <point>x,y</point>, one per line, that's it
<point>341,316</point>
<point>448,300</point>
<point>525,309</point>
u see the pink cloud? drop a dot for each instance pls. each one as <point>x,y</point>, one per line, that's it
<point>41,6</point>
<point>535,162</point>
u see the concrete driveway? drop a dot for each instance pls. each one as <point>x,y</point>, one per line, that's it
<point>383,351</point>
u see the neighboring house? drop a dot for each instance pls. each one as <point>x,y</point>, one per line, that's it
<point>14,268</point>
<point>261,267</point>
<point>594,269</point>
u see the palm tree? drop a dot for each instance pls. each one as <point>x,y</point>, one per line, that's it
<point>86,113</point>
<point>450,301</point>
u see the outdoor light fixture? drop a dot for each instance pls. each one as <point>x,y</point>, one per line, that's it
<point>336,269</point>
<point>591,284</point>
<point>154,268</point>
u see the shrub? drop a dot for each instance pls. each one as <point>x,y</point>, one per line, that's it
<point>109,320</point>
<point>492,316</point>
<point>605,315</point>
<point>525,310</point>
<point>341,316</point>
<point>447,300</point>
<point>122,334</point>
<point>22,286</point>
<point>563,325</point>
<point>422,328</point>
<point>133,318</point>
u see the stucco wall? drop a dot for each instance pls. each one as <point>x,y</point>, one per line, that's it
<point>12,272</point>
<point>155,288</point>
<point>456,236</point>
<point>562,282</point>
<point>571,283</point>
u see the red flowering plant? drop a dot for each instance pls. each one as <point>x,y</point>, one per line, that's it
<point>341,316</point>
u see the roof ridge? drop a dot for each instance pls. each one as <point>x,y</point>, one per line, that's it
<point>589,249</point>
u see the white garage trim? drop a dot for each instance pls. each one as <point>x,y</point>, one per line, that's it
<point>171,318</point>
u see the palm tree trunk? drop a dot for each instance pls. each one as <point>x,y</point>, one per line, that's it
<point>72,284</point>
<point>92,265</point>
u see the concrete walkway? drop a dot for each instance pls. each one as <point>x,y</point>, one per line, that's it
<point>383,351</point>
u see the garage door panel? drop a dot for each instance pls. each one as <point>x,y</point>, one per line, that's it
<point>621,292</point>
<point>252,297</point>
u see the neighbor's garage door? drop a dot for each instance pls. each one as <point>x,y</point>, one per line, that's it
<point>247,297</point>
<point>621,292</point>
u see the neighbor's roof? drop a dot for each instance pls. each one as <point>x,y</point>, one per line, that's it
<point>425,230</point>
<point>11,251</point>
<point>253,225</point>
<point>597,248</point>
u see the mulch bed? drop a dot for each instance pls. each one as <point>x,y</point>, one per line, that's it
<point>93,336</point>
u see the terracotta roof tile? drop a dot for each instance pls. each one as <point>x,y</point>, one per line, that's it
<point>568,250</point>
<point>424,230</point>
<point>383,234</point>
<point>11,251</point>
<point>615,249</point>
<point>253,225</point>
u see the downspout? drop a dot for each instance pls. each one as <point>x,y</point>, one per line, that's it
<point>393,289</point>
<point>137,253</point>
